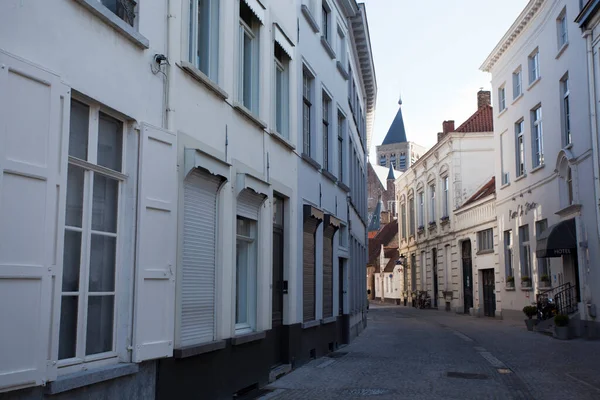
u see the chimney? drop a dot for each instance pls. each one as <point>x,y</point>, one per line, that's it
<point>484,98</point>
<point>440,136</point>
<point>448,126</point>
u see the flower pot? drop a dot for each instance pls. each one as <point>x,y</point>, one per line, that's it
<point>544,284</point>
<point>530,324</point>
<point>561,332</point>
<point>510,285</point>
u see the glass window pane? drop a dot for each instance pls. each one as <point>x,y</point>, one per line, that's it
<point>105,204</point>
<point>279,99</point>
<point>78,130</point>
<point>241,305</point>
<point>204,35</point>
<point>244,227</point>
<point>67,341</point>
<point>247,73</point>
<point>102,263</point>
<point>71,261</point>
<point>110,142</point>
<point>74,211</point>
<point>99,336</point>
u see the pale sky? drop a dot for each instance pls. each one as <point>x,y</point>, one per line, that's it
<point>430,52</point>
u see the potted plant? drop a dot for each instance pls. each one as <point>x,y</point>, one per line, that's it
<point>530,311</point>
<point>561,327</point>
<point>420,229</point>
<point>544,281</point>
<point>510,282</point>
<point>525,282</point>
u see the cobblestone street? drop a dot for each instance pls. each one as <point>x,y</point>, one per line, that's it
<point>407,353</point>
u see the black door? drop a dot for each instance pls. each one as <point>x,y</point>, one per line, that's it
<point>341,287</point>
<point>435,277</point>
<point>467,275</point>
<point>489,293</point>
<point>278,283</point>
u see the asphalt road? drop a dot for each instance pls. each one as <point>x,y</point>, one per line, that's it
<point>407,353</point>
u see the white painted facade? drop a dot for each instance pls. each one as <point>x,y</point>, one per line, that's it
<point>540,194</point>
<point>184,139</point>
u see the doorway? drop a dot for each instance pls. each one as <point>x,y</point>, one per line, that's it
<point>489,293</point>
<point>435,277</point>
<point>341,287</point>
<point>467,264</point>
<point>278,282</point>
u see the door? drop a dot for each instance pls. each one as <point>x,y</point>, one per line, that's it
<point>467,276</point>
<point>277,313</point>
<point>435,277</point>
<point>341,287</point>
<point>489,293</point>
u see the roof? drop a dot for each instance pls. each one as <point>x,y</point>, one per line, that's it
<point>486,190</point>
<point>391,174</point>
<point>587,12</point>
<point>390,252</point>
<point>385,235</point>
<point>397,132</point>
<point>511,35</point>
<point>389,267</point>
<point>375,218</point>
<point>481,121</point>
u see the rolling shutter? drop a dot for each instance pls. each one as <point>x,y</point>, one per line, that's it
<point>154,301</point>
<point>328,233</point>
<point>249,203</point>
<point>34,115</point>
<point>197,313</point>
<point>312,219</point>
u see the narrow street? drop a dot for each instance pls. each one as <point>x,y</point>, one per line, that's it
<point>425,354</point>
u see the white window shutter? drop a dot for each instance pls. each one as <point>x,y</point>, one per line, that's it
<point>154,302</point>
<point>34,115</point>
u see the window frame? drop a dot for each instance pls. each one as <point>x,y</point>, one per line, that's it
<point>326,102</point>
<point>326,12</point>
<point>537,137</point>
<point>213,69</point>
<point>251,278</point>
<point>565,110</point>
<point>562,31</point>
<point>543,264</point>
<point>520,147</point>
<point>485,240</point>
<point>91,168</point>
<point>517,83</point>
<point>509,267</point>
<point>342,46</point>
<point>282,94</point>
<point>403,222</point>
<point>525,251</point>
<point>253,32</point>
<point>411,216</point>
<point>341,120</point>
<point>308,83</point>
<point>534,66</point>
<point>432,205</point>
<point>421,197</point>
<point>502,98</point>
<point>446,199</point>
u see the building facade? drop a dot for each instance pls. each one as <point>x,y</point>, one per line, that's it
<point>151,216</point>
<point>545,163</point>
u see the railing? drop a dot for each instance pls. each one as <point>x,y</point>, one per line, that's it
<point>564,298</point>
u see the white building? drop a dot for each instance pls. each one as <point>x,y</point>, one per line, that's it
<point>544,163</point>
<point>150,195</point>
<point>446,225</point>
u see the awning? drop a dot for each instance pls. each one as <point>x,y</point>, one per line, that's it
<point>257,8</point>
<point>283,40</point>
<point>557,240</point>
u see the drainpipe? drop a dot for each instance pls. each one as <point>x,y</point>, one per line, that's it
<point>171,45</point>
<point>594,126</point>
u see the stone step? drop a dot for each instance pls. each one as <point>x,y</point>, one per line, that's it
<point>279,371</point>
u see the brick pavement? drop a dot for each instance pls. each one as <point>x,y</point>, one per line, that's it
<point>427,354</point>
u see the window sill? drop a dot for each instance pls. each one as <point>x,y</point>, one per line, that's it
<point>277,136</point>
<point>248,338</point>
<point>195,350</point>
<point>509,288</point>
<point>445,220</point>
<point>329,175</point>
<point>310,19</point>
<point>342,71</point>
<point>110,18</point>
<point>518,178</point>
<point>562,50</point>
<point>202,78</point>
<point>519,97</point>
<point>507,184</point>
<point>250,115</point>
<point>77,380</point>
<point>311,324</point>
<point>328,47</point>
<point>501,113</point>
<point>311,161</point>
<point>328,320</point>
<point>526,289</point>
<point>536,169</point>
<point>343,186</point>
<point>532,84</point>
<point>568,146</point>
<point>483,252</point>
<point>569,210</point>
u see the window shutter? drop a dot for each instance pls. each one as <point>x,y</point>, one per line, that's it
<point>197,286</point>
<point>249,203</point>
<point>328,233</point>
<point>312,218</point>
<point>34,115</point>
<point>154,303</point>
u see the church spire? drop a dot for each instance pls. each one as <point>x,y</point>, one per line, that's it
<point>397,132</point>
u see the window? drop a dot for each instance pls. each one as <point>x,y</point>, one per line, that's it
<point>502,98</point>
<point>543,263</point>
<point>411,210</point>
<point>402,161</point>
<point>421,209</point>
<point>446,182</point>
<point>517,83</point>
<point>382,160</point>
<point>525,251</point>
<point>249,58</point>
<point>340,127</point>
<point>504,154</point>
<point>485,240</point>
<point>534,66</point>
<point>413,272</point>
<point>423,272</point>
<point>282,97</point>
<point>565,173</point>
<point>561,29</point>
<point>124,9</point>
<point>537,137</point>
<point>343,241</point>
<point>508,254</point>
<point>566,110</point>
<point>520,151</point>
<point>393,160</point>
<point>403,206</point>
<point>308,82</point>
<point>326,23</point>
<point>91,237</point>
<point>204,36</point>
<point>326,107</point>
<point>432,203</point>
<point>570,186</point>
<point>341,46</point>
<point>245,280</point>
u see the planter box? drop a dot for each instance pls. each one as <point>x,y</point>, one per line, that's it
<point>530,324</point>
<point>544,285</point>
<point>561,332</point>
<point>510,285</point>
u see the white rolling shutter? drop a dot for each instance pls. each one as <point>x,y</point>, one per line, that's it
<point>34,115</point>
<point>154,302</point>
<point>197,312</point>
<point>249,203</point>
